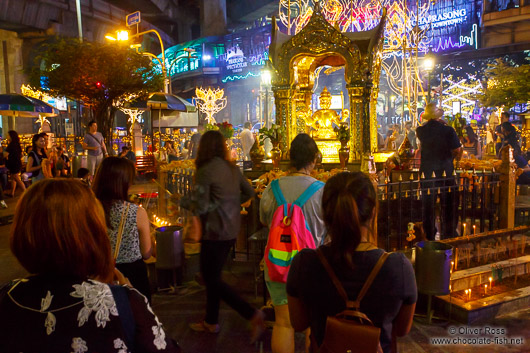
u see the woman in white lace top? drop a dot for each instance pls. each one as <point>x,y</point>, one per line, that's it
<point>66,304</point>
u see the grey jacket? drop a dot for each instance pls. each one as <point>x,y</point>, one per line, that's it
<point>218,193</point>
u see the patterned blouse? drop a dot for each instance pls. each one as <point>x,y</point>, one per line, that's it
<point>130,240</point>
<point>48,313</point>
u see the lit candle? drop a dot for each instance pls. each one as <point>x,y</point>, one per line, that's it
<point>485,289</point>
<point>452,265</point>
<point>469,294</point>
<point>464,233</point>
<point>491,284</point>
<point>474,229</point>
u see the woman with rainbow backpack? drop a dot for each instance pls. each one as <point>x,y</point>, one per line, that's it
<point>291,208</point>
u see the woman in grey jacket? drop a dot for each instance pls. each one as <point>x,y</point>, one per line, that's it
<point>219,191</point>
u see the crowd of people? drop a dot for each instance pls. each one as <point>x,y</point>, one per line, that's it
<point>475,140</point>
<point>85,248</point>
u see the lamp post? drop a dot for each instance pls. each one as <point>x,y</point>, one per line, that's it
<point>266,82</point>
<point>123,36</point>
<point>428,65</point>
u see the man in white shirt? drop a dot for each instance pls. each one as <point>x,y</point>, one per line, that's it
<point>247,140</point>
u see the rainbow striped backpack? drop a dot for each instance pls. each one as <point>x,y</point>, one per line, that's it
<point>288,232</point>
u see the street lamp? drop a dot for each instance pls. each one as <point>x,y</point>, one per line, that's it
<point>266,77</point>
<point>123,36</point>
<point>428,65</point>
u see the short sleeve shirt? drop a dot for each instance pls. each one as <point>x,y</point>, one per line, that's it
<point>394,286</point>
<point>94,140</point>
<point>292,187</point>
<point>437,142</point>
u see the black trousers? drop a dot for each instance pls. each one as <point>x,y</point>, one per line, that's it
<point>448,207</point>
<point>212,259</point>
<point>136,272</point>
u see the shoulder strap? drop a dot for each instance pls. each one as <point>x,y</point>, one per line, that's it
<point>94,137</point>
<point>125,314</point>
<point>310,191</point>
<point>278,195</point>
<point>340,288</point>
<point>332,275</point>
<point>371,278</point>
<point>120,230</point>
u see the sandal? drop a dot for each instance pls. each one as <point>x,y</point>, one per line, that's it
<point>203,326</point>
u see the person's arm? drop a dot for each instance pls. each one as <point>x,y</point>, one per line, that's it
<point>142,222</point>
<point>298,314</point>
<point>457,153</point>
<point>403,321</point>
<point>29,166</point>
<point>87,147</point>
<point>247,191</point>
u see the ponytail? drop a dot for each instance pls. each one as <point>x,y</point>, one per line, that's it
<point>348,203</point>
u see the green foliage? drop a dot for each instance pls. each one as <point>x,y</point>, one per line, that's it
<point>274,133</point>
<point>100,75</point>
<point>505,85</point>
<point>342,132</point>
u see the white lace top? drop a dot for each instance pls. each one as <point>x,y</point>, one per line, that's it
<point>130,241</point>
<point>49,313</point>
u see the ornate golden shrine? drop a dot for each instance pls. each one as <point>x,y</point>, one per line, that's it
<point>295,59</point>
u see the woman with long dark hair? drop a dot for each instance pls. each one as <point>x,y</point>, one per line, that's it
<point>13,153</point>
<point>349,203</point>
<point>471,143</point>
<point>127,223</point>
<point>219,191</point>
<point>35,158</point>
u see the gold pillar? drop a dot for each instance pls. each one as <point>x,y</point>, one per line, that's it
<point>356,112</point>
<point>284,117</point>
<point>507,192</point>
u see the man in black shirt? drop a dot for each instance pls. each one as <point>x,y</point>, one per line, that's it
<point>440,145</point>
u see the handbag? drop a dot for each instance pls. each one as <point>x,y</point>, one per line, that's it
<point>350,330</point>
<point>120,231</point>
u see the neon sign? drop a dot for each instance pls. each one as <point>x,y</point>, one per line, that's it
<point>472,39</point>
<point>240,77</point>
<point>443,19</point>
<point>235,59</point>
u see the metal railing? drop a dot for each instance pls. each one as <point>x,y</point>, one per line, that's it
<point>465,203</point>
<point>456,202</point>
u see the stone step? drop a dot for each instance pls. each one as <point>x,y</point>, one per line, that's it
<point>484,309</point>
<point>475,276</point>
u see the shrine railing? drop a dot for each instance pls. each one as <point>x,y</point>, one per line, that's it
<point>480,201</point>
<point>473,199</point>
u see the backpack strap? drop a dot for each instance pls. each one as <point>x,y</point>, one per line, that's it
<point>340,288</point>
<point>370,279</point>
<point>280,199</point>
<point>308,193</point>
<point>332,275</point>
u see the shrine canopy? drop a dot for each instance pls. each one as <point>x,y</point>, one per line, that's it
<point>295,58</point>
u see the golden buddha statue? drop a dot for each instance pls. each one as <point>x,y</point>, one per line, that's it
<point>323,119</point>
